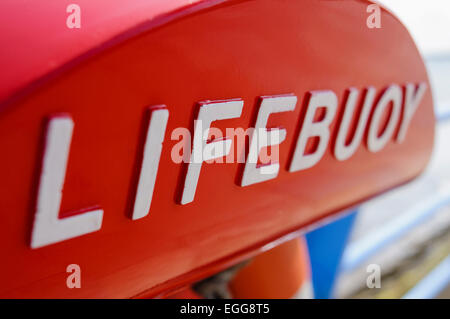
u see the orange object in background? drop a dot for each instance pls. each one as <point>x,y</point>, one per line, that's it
<point>282,272</point>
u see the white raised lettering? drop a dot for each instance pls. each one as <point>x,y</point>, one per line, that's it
<point>150,161</point>
<point>47,227</point>
<point>376,142</point>
<point>321,129</point>
<point>261,136</point>
<point>208,113</point>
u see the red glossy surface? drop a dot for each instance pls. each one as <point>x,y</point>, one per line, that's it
<point>240,49</point>
<point>35,39</point>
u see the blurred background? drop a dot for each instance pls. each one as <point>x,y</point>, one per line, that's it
<point>405,232</point>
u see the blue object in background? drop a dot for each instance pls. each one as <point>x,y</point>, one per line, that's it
<point>326,246</point>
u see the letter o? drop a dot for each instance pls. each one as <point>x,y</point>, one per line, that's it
<point>392,94</point>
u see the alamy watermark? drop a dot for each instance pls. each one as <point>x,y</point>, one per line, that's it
<point>73,20</point>
<point>374,278</point>
<point>74,279</point>
<point>374,19</point>
<point>263,145</point>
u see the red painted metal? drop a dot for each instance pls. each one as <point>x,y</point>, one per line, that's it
<point>37,41</point>
<point>237,49</point>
